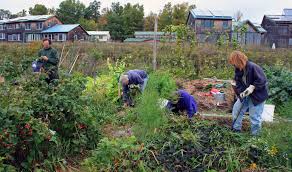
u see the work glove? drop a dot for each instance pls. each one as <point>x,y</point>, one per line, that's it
<point>247,92</point>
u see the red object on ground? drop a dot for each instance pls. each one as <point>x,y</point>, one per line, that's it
<point>214,91</point>
<point>204,98</point>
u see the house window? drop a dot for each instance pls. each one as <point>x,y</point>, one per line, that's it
<point>1,27</point>
<point>2,35</point>
<point>17,26</point>
<point>100,37</point>
<point>33,37</point>
<point>52,23</point>
<point>39,26</point>
<point>290,41</point>
<point>49,36</point>
<point>75,37</point>
<point>10,26</point>
<point>27,26</point>
<point>62,37</point>
<point>225,24</point>
<point>208,23</point>
<point>14,37</point>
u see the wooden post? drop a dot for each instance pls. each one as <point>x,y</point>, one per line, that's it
<point>155,45</point>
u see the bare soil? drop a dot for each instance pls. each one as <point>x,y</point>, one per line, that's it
<point>200,89</point>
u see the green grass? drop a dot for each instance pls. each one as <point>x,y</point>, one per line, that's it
<point>286,109</point>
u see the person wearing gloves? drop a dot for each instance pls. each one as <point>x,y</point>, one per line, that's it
<point>251,86</point>
<point>132,77</point>
<point>48,58</point>
<point>182,101</point>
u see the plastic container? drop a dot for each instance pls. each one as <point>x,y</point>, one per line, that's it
<point>36,66</point>
<point>268,113</point>
<point>219,97</point>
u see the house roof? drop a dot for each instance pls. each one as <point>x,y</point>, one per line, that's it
<point>98,33</point>
<point>286,17</point>
<point>287,12</point>
<point>29,18</point>
<point>257,27</point>
<point>279,18</point>
<point>207,14</point>
<point>3,21</point>
<point>62,28</point>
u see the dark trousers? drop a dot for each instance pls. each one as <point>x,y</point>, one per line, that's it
<point>52,75</point>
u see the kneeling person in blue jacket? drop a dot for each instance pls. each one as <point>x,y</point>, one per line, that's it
<point>132,77</point>
<point>182,101</point>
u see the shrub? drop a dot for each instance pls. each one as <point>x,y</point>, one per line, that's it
<point>119,154</point>
<point>40,121</point>
<point>280,88</point>
<point>286,109</point>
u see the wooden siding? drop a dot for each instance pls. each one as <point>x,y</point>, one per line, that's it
<point>277,32</point>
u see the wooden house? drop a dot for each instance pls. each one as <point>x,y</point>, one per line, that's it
<point>279,29</point>
<point>209,25</point>
<point>248,33</point>
<point>26,29</point>
<point>65,32</point>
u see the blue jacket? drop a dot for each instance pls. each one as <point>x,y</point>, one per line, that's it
<point>255,76</point>
<point>136,77</point>
<point>186,102</point>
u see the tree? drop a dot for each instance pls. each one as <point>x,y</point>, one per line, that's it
<point>38,9</point>
<point>165,17</point>
<point>88,24</point>
<point>180,12</point>
<point>19,14</point>
<point>191,7</point>
<point>92,11</point>
<point>133,18</point>
<point>122,22</point>
<point>70,11</point>
<point>149,22</point>
<point>238,16</point>
<point>102,20</point>
<point>52,11</point>
<point>114,22</point>
<point>4,14</point>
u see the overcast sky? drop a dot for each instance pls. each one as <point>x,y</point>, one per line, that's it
<point>252,9</point>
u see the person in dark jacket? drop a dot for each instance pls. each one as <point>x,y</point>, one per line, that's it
<point>132,77</point>
<point>48,56</point>
<point>182,101</point>
<point>251,85</point>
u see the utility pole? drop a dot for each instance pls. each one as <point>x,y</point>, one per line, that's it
<point>155,45</point>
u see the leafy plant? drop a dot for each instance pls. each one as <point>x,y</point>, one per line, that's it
<point>272,149</point>
<point>286,109</point>
<point>280,84</point>
<point>116,155</point>
<point>37,118</point>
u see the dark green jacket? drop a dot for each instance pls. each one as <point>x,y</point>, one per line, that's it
<point>52,54</point>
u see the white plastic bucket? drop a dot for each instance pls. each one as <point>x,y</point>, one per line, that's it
<point>219,97</point>
<point>268,113</point>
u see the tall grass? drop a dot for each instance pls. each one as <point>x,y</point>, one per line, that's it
<point>151,117</point>
<point>200,61</point>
